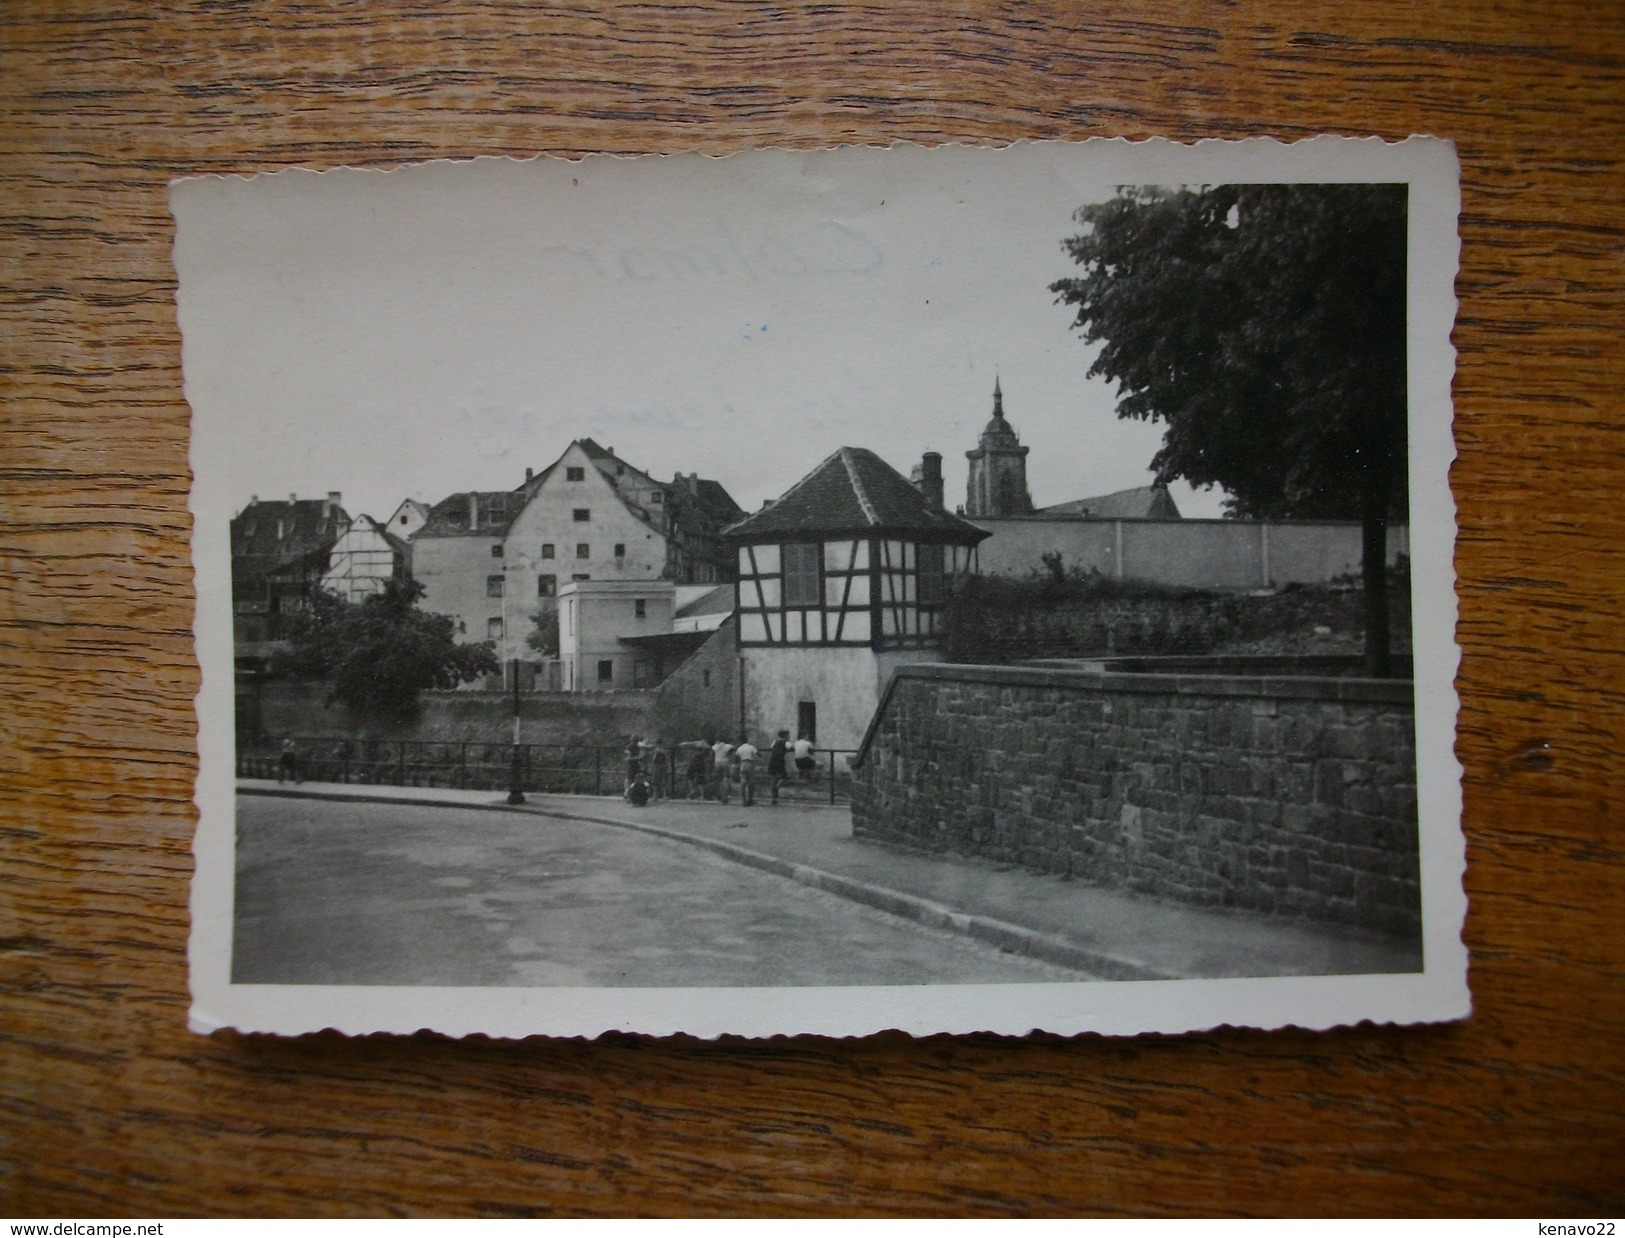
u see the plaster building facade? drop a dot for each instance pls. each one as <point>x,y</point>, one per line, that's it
<point>841,580</point>
<point>458,558</point>
<point>408,518</point>
<point>603,631</point>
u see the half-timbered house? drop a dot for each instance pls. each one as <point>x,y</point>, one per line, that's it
<point>840,581</point>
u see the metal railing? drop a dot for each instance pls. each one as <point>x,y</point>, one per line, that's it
<point>558,769</point>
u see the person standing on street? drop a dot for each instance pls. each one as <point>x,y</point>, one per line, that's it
<point>699,771</point>
<point>745,754</point>
<point>721,758</point>
<point>660,771</point>
<point>776,771</point>
<point>805,761</point>
<point>288,766</point>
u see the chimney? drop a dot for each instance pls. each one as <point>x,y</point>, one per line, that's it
<point>528,475</point>
<point>253,499</point>
<point>293,498</point>
<point>335,500</point>
<point>473,510</point>
<point>930,482</point>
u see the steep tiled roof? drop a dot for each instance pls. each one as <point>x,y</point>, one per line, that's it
<point>269,534</point>
<point>1140,503</point>
<point>853,491</point>
<point>450,516</point>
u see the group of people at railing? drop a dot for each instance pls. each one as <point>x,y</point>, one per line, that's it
<point>655,770</point>
<point>710,770</point>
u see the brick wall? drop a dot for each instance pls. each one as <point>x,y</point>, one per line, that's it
<point>1295,796</point>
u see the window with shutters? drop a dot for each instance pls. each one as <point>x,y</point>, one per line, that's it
<point>802,585</point>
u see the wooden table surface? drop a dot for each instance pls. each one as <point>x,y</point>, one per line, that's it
<point>110,1106</point>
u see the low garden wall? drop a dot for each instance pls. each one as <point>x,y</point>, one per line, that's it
<point>1283,794</point>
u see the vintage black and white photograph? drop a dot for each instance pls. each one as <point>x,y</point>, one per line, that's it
<point>827,591</point>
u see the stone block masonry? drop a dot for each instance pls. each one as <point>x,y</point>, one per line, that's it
<point>1275,794</point>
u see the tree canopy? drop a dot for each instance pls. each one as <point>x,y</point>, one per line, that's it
<point>379,653</point>
<point>1265,326</point>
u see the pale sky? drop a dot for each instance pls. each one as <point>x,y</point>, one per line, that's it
<point>441,327</point>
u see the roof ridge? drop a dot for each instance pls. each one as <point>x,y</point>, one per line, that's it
<point>804,481</point>
<point>857,486</point>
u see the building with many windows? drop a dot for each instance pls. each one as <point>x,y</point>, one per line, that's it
<point>840,581</point>
<point>493,560</point>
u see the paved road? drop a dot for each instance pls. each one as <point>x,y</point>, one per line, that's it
<point>338,893</point>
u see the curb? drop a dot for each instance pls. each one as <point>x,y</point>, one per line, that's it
<point>1014,938</point>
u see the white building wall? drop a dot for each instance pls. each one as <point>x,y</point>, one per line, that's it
<point>1211,554</point>
<point>593,616</point>
<point>549,520</point>
<point>844,683</point>
<point>454,572</point>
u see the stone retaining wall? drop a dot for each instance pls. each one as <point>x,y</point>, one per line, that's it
<point>1275,794</point>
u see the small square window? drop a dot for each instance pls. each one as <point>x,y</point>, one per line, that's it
<point>493,629</point>
<point>493,586</point>
<point>620,550</point>
<point>575,474</point>
<point>496,552</point>
<point>583,550</point>
<point>547,550</point>
<point>581,515</point>
<point>546,586</point>
<point>640,608</point>
<point>606,671</point>
<point>620,470</point>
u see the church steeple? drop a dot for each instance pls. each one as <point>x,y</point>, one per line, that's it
<point>998,468</point>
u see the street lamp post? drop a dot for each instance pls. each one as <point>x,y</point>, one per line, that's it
<point>516,776</point>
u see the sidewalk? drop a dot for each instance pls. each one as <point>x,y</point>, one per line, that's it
<point>1105,933</point>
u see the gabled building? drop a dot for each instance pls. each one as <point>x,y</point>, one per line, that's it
<point>279,554</point>
<point>840,581</point>
<point>364,559</point>
<point>492,560</point>
<point>408,518</point>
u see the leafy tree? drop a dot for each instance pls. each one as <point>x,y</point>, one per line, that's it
<point>544,635</point>
<point>379,653</point>
<point>1265,325</point>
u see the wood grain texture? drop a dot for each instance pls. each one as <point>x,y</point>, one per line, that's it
<point>107,1103</point>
